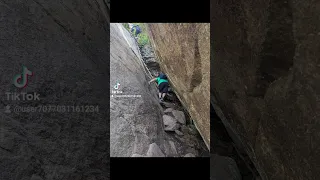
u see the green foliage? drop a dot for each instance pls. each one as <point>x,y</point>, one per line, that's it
<point>126,25</point>
<point>143,39</point>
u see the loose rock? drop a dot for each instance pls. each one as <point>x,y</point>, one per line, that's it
<point>184,129</point>
<point>180,117</point>
<point>189,155</point>
<point>172,128</point>
<point>168,110</point>
<point>173,147</point>
<point>178,132</point>
<point>170,123</point>
<point>168,105</point>
<point>136,155</point>
<point>154,151</point>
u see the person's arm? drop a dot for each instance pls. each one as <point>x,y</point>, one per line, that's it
<point>154,79</point>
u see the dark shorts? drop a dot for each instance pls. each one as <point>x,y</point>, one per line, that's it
<point>163,87</point>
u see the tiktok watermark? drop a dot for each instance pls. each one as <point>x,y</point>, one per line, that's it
<point>52,109</point>
<point>21,81</point>
<point>116,92</point>
<point>22,96</point>
<point>116,87</point>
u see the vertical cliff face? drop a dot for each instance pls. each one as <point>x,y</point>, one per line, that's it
<point>266,82</point>
<point>183,52</point>
<point>65,45</point>
<point>135,122</point>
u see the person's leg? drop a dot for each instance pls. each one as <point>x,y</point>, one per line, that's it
<point>164,90</point>
<point>161,87</point>
<point>160,97</point>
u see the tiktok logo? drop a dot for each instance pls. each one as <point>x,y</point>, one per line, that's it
<point>21,80</point>
<point>116,86</point>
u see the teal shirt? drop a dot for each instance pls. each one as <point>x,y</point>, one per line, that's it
<point>161,80</point>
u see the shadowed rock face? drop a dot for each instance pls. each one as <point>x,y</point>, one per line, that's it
<point>183,51</point>
<point>265,74</point>
<point>65,45</point>
<point>223,168</point>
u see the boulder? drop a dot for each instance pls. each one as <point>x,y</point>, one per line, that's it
<point>168,120</point>
<point>183,51</point>
<point>170,123</point>
<point>179,116</point>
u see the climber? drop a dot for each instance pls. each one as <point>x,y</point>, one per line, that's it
<point>137,28</point>
<point>163,85</point>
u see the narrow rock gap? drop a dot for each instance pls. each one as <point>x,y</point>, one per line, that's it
<point>172,98</point>
<point>190,140</point>
<point>223,146</point>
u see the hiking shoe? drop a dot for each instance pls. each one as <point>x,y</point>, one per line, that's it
<point>161,100</point>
